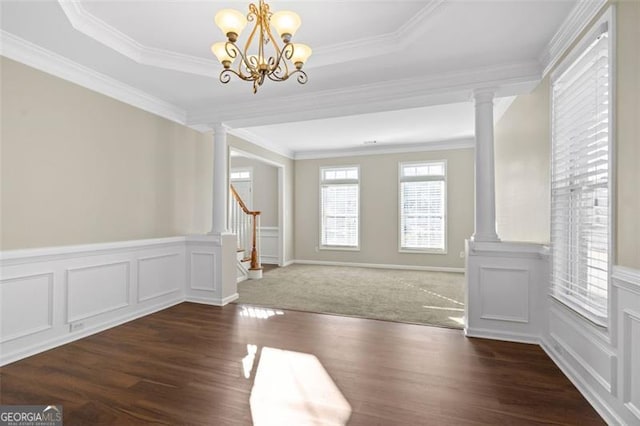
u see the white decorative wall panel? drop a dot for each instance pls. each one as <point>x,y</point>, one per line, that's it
<point>97,289</point>
<point>269,239</point>
<point>159,276</point>
<point>96,286</point>
<point>504,294</point>
<point>631,367</point>
<point>202,271</point>
<point>26,305</point>
<point>583,349</point>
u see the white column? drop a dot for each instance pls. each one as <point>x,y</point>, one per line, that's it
<point>220,179</point>
<point>485,214</point>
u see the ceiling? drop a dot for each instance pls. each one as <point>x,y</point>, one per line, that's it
<point>392,71</point>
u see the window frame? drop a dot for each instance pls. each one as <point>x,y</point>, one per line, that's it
<point>320,216</point>
<point>606,23</point>
<point>445,225</point>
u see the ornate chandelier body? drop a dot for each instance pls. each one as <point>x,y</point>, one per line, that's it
<point>262,57</point>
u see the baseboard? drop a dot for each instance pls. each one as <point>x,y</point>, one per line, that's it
<point>502,335</point>
<point>71,337</point>
<point>212,302</point>
<point>600,405</point>
<point>288,263</point>
<point>230,299</point>
<point>379,266</point>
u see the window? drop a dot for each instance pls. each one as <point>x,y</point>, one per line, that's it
<point>423,207</point>
<point>238,174</point>
<point>339,207</point>
<point>580,182</point>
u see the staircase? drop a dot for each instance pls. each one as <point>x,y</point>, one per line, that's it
<point>246,225</point>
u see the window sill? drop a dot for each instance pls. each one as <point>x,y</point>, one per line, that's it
<point>421,251</point>
<point>338,248</point>
<point>593,317</point>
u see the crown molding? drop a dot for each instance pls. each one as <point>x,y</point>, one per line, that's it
<point>580,16</point>
<point>443,145</point>
<point>267,144</point>
<point>25,52</point>
<point>92,26</point>
<point>378,45</point>
<point>111,37</point>
<point>512,79</point>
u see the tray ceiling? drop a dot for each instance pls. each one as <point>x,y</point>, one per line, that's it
<point>408,54</point>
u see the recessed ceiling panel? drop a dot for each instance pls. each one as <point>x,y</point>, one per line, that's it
<point>187,26</point>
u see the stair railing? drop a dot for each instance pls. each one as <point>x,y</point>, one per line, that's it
<point>245,224</point>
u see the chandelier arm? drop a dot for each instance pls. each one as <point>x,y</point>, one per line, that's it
<point>274,61</point>
<point>301,77</point>
<point>280,72</point>
<point>275,76</point>
<point>225,76</point>
<point>276,68</point>
<point>243,61</point>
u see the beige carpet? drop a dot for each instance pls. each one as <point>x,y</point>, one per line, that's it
<point>435,298</point>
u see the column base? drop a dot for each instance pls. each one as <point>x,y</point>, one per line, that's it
<point>489,238</point>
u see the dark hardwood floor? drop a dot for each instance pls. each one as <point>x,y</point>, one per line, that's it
<point>184,365</point>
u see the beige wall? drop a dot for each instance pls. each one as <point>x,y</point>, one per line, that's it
<point>265,188</point>
<point>289,178</point>
<point>516,137</point>
<point>379,209</point>
<point>522,168</point>
<point>628,134</point>
<point>79,167</point>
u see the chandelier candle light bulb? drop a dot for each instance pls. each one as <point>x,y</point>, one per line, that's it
<point>271,61</point>
<point>231,22</point>
<point>286,24</point>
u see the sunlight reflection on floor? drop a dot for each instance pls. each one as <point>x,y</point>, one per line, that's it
<point>459,320</point>
<point>260,313</point>
<point>293,388</point>
<point>247,361</point>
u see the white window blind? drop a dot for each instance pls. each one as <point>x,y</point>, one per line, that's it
<point>580,198</point>
<point>339,207</point>
<point>422,206</point>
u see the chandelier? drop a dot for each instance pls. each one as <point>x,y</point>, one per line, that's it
<point>262,57</point>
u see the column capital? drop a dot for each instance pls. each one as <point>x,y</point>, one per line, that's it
<point>484,95</point>
<point>220,128</point>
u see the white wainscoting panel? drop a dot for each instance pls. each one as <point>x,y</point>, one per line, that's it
<point>582,346</point>
<point>269,241</point>
<point>26,304</point>
<point>159,276</point>
<point>504,294</point>
<point>54,295</point>
<point>602,362</point>
<point>97,289</point>
<point>631,365</point>
<point>504,284</point>
<point>93,286</point>
<point>202,275</point>
<point>626,283</point>
<point>211,272</point>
